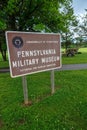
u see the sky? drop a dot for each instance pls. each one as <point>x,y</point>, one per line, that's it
<point>79,6</point>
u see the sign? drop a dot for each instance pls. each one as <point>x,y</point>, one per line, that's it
<point>32,52</point>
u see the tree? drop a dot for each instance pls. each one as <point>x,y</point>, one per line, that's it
<point>32,15</point>
<point>26,14</point>
<point>3,47</point>
<point>69,23</point>
<point>83,25</point>
<point>81,29</point>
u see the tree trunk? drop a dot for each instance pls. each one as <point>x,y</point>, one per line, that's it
<point>3,52</point>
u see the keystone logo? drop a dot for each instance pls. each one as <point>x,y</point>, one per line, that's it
<point>17,42</point>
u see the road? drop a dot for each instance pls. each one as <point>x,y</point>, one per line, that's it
<point>73,67</point>
<point>64,67</point>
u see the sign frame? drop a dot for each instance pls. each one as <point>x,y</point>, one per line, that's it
<point>32,33</point>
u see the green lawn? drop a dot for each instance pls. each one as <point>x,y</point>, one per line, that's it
<point>77,59</point>
<point>3,63</point>
<point>66,109</point>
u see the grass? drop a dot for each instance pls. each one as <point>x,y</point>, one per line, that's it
<point>77,59</point>
<point>64,110</point>
<point>3,63</point>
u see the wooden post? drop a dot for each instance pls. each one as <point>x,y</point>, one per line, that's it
<point>52,81</point>
<point>25,90</point>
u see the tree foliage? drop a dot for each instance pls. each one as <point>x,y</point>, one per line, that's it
<point>26,14</point>
<point>83,25</point>
<point>36,15</point>
<point>69,23</point>
<point>81,29</point>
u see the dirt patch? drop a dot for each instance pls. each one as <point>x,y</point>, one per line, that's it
<point>27,104</point>
<point>21,121</point>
